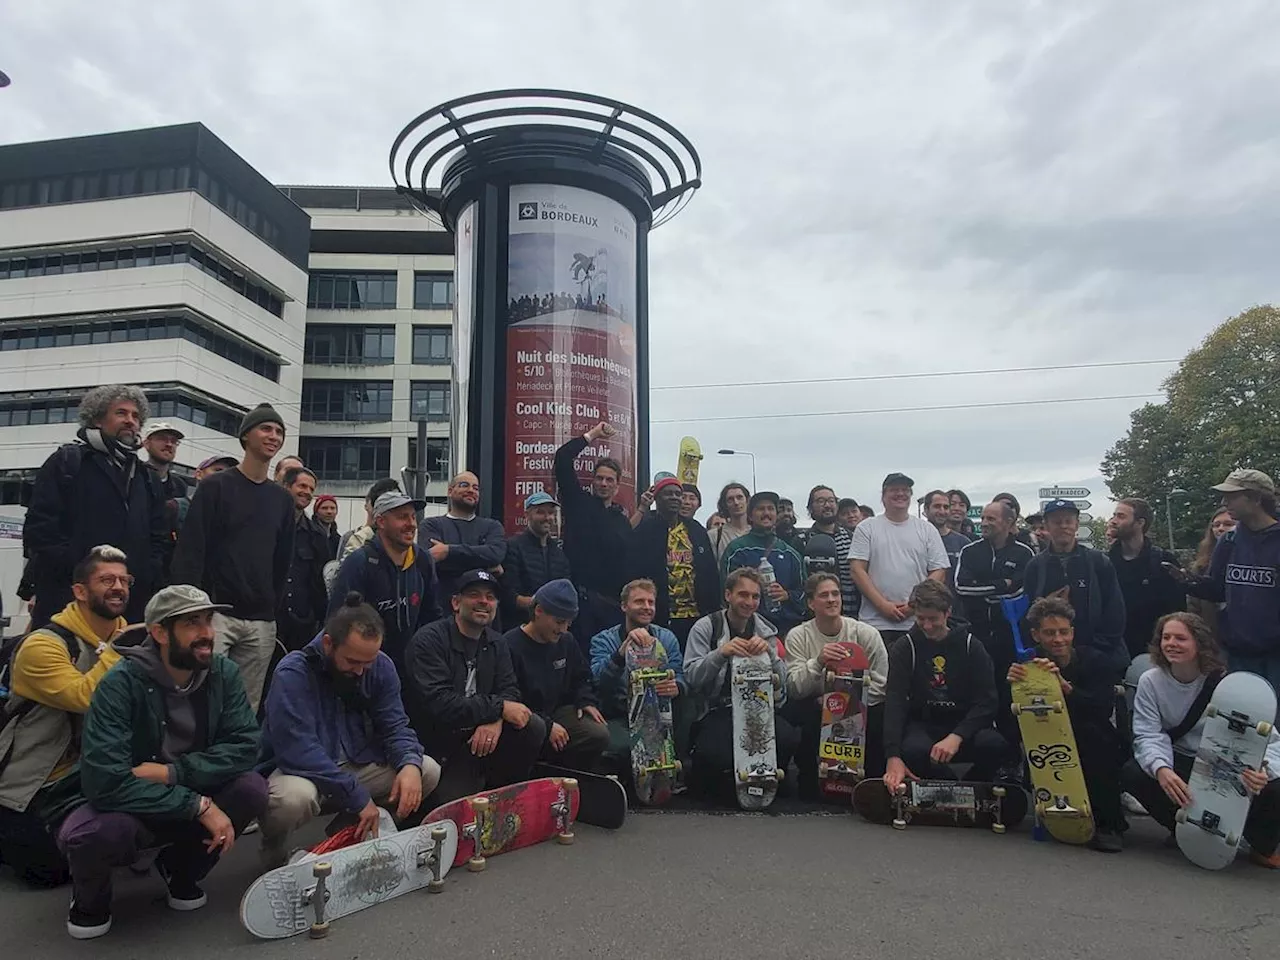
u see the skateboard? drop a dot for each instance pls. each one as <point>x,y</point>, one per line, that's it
<point>602,800</point>
<point>1061,799</point>
<point>508,818</point>
<point>653,749</point>
<point>842,741</point>
<point>690,460</point>
<point>1237,728</point>
<point>942,803</point>
<point>313,892</point>
<point>755,754</point>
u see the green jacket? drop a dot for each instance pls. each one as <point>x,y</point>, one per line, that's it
<point>123,728</point>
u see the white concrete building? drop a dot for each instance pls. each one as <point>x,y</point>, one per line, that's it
<point>378,341</point>
<point>153,257</point>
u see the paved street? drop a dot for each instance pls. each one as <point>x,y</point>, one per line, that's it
<point>736,886</point>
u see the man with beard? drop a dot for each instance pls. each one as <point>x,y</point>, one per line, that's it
<point>463,697</point>
<point>786,527</point>
<point>237,544</point>
<point>461,540</point>
<point>95,491</point>
<point>325,514</point>
<point>335,735</point>
<point>782,600</point>
<point>305,598</point>
<point>937,510</point>
<point>533,557</point>
<point>393,575</point>
<point>167,761</point>
<point>824,511</point>
<point>161,441</point>
<point>1149,591</point>
<point>52,675</point>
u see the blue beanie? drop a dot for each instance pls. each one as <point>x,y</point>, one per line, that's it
<point>558,598</point>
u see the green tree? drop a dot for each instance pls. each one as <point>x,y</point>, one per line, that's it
<point>1222,411</point>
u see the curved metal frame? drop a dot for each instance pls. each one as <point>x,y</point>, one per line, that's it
<point>473,125</point>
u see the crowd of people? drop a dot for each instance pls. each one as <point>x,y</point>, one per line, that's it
<point>527,307</point>
<point>194,670</point>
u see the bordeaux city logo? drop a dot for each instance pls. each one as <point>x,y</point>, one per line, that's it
<point>527,211</point>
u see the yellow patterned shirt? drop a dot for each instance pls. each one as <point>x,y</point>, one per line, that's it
<point>680,573</point>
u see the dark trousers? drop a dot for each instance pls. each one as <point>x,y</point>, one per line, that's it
<point>462,773</point>
<point>587,740</point>
<point>681,629</point>
<point>28,847</point>
<point>806,716</point>
<point>95,843</point>
<point>596,612</point>
<point>1261,829</point>
<point>997,639</point>
<point>713,745</point>
<point>987,750</point>
<point>1102,754</point>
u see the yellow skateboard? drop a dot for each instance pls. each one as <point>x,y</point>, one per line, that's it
<point>1061,798</point>
<point>690,458</point>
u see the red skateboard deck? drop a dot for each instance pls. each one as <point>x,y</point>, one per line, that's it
<point>508,818</point>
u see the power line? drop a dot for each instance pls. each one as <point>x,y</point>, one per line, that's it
<point>914,376</point>
<point>950,406</point>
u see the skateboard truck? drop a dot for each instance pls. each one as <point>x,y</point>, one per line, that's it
<point>998,809</point>
<point>475,830</point>
<point>317,898</point>
<point>433,859</point>
<point>900,807</point>
<point>563,811</point>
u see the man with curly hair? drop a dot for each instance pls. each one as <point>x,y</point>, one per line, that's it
<point>94,491</point>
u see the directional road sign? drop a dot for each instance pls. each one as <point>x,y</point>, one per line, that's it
<point>1086,517</point>
<point>1055,493</point>
<point>1078,504</point>
<point>1084,533</point>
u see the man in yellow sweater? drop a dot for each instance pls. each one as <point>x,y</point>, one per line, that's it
<point>52,676</point>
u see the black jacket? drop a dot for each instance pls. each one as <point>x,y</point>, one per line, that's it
<point>303,606</point>
<point>550,675</point>
<point>984,576</point>
<point>528,566</point>
<point>1092,699</point>
<point>1094,594</point>
<point>406,599</point>
<point>438,661</point>
<point>1148,590</point>
<point>647,558</point>
<point>476,544</point>
<point>595,536</point>
<point>81,500</point>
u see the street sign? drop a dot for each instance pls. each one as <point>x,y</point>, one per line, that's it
<point>1086,517</point>
<point>1078,504</point>
<point>1065,493</point>
<point>1084,533</point>
<point>974,513</point>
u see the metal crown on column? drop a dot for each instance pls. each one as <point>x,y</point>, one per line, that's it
<point>550,195</point>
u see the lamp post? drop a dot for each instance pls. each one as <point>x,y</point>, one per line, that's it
<point>1168,510</point>
<point>743,453</point>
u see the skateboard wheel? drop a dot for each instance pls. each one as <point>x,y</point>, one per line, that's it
<point>570,783</point>
<point>1057,706</point>
<point>323,868</point>
<point>679,766</point>
<point>1233,840</point>
<point>779,773</point>
<point>480,804</point>
<point>671,674</point>
<point>999,792</point>
<point>438,834</point>
<point>475,864</point>
<point>564,839</point>
<point>1211,711</point>
<point>1264,729</point>
<point>830,677</point>
<point>998,828</point>
<point>822,769</point>
<point>742,776</point>
<point>899,824</point>
<point>1181,815</point>
<point>319,931</point>
<point>1016,708</point>
<point>435,886</point>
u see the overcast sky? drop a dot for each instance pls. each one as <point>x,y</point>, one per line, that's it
<point>893,187</point>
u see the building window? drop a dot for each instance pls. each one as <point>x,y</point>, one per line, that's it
<point>338,290</point>
<point>345,401</point>
<point>28,335</point>
<point>166,401</point>
<point>433,291</point>
<point>85,260</point>
<point>429,400</point>
<point>437,457</point>
<point>347,458</point>
<point>341,344</point>
<point>432,344</point>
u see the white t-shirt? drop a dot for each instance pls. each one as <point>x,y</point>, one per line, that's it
<point>898,555</point>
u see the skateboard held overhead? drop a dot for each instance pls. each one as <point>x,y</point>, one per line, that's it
<point>1237,729</point>
<point>508,818</point>
<point>942,803</point>
<point>842,741</point>
<point>690,460</point>
<point>653,749</point>
<point>602,799</point>
<point>755,749</point>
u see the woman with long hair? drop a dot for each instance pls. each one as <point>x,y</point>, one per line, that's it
<point>1220,524</point>
<point>1168,722</point>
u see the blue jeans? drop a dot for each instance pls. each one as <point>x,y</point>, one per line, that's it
<point>1266,666</point>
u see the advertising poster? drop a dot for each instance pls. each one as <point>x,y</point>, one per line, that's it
<point>464,323</point>
<point>571,338</point>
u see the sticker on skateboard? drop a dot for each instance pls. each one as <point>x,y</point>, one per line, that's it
<point>508,818</point>
<point>755,754</point>
<point>653,750</point>
<point>946,803</point>
<point>842,739</point>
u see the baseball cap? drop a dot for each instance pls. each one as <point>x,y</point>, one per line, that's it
<point>1238,480</point>
<point>160,426</point>
<point>666,482</point>
<point>538,499</point>
<point>393,499</point>
<point>1054,506</point>
<point>897,480</point>
<point>473,577</point>
<point>177,600</point>
<point>218,458</point>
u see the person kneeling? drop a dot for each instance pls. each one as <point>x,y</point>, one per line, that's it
<point>1168,721</point>
<point>167,759</point>
<point>335,735</point>
<point>555,680</point>
<point>1088,687</point>
<point>940,700</point>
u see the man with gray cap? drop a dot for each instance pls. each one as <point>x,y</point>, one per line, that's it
<point>1245,574</point>
<point>555,680</point>
<point>167,758</point>
<point>237,543</point>
<point>392,574</point>
<point>534,557</point>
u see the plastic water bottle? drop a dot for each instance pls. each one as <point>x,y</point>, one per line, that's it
<point>765,569</point>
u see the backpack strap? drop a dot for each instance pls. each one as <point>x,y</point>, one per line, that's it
<point>1196,710</point>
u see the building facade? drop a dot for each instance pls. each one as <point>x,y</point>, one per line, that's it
<point>155,257</point>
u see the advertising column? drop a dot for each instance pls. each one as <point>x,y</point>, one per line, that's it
<point>571,337</point>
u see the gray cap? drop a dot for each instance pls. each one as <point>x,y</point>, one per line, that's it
<point>393,499</point>
<point>178,600</point>
<point>1238,480</point>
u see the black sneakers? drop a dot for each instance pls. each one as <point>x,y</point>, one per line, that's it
<point>1107,841</point>
<point>82,925</point>
<point>183,895</point>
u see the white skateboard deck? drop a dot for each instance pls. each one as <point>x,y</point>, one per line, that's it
<point>1237,728</point>
<point>755,747</point>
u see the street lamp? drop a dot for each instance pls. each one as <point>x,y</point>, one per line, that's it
<point>1168,510</point>
<point>743,453</point>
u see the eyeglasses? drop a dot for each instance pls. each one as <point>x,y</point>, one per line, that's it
<point>110,580</point>
<point>824,499</point>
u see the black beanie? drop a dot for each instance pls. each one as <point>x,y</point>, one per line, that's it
<point>262,413</point>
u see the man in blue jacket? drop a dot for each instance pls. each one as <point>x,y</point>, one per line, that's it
<point>335,735</point>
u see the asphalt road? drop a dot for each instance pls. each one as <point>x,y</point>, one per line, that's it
<point>742,886</point>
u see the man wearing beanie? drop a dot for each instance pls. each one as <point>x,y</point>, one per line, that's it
<point>236,545</point>
<point>555,680</point>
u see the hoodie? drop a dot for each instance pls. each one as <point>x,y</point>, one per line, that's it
<point>186,726</point>
<point>706,668</point>
<point>1245,574</point>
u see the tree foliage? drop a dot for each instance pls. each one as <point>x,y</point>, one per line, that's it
<point>1222,411</point>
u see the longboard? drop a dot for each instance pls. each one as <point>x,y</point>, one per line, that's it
<point>1238,726</point>
<point>1061,798</point>
<point>755,749</point>
<point>653,750</point>
<point>310,894</point>
<point>602,799</point>
<point>842,740</point>
<point>508,818</point>
<point>944,803</point>
<point>690,460</point>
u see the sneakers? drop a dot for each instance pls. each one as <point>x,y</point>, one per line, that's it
<point>1107,841</point>
<point>1271,863</point>
<point>184,895</point>
<point>87,926</point>
<point>1131,805</point>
